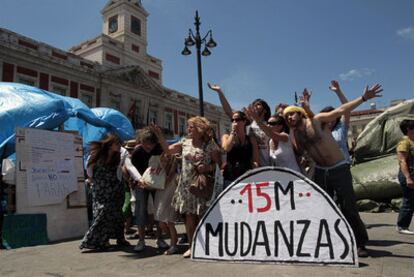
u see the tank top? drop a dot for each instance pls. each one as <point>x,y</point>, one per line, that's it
<point>239,160</point>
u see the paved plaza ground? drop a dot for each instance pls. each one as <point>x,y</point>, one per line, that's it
<point>392,254</point>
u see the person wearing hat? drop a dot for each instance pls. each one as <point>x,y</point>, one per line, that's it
<point>332,172</point>
<point>127,208</point>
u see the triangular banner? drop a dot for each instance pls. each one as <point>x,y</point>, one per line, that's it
<point>275,215</point>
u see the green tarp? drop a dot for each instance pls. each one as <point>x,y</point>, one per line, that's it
<point>375,163</point>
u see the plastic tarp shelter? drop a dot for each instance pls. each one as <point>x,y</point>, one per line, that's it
<point>31,107</point>
<point>375,163</point>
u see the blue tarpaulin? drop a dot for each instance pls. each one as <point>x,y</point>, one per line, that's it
<point>29,107</point>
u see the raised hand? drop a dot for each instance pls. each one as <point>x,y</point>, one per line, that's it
<point>251,114</point>
<point>372,92</point>
<point>304,99</point>
<point>214,87</point>
<point>155,129</point>
<point>334,86</point>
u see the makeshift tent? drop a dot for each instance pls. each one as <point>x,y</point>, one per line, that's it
<point>376,167</point>
<point>30,107</point>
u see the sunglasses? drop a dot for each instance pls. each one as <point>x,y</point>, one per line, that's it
<point>236,119</point>
<point>273,123</point>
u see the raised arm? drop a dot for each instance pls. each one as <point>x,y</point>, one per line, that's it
<point>227,141</point>
<point>266,129</point>
<point>224,103</point>
<point>348,107</point>
<point>337,89</point>
<point>167,149</point>
<point>304,102</point>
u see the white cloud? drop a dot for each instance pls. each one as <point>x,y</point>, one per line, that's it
<point>355,74</point>
<point>407,33</point>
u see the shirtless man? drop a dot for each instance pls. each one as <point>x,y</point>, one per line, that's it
<point>332,172</point>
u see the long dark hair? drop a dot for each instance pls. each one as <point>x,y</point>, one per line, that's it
<point>280,120</point>
<point>100,150</point>
<point>328,109</point>
<point>243,116</point>
<point>265,106</point>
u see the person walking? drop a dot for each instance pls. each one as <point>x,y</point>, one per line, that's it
<point>405,154</point>
<point>107,195</point>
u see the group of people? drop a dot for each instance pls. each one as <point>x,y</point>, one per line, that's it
<point>294,137</point>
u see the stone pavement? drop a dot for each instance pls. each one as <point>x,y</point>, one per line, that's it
<point>392,254</point>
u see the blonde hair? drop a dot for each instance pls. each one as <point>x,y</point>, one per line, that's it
<point>203,127</point>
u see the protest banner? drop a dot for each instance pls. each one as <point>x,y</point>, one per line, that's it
<point>50,180</point>
<point>274,215</point>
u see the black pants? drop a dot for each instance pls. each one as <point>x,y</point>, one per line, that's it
<point>338,181</point>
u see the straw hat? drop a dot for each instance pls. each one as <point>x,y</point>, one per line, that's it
<point>130,144</point>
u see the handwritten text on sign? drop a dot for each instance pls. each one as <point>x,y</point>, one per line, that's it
<point>275,216</point>
<point>50,166</point>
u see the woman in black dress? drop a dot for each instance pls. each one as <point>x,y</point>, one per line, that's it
<point>107,195</point>
<point>242,151</point>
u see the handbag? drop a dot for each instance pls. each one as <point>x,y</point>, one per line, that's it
<point>154,175</point>
<point>202,186</point>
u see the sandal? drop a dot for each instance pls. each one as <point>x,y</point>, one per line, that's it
<point>187,254</point>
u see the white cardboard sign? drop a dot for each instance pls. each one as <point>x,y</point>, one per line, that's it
<point>275,215</point>
<point>49,158</point>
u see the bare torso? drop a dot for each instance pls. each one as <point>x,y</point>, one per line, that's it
<point>318,142</point>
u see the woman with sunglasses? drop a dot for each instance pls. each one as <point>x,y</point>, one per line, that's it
<point>262,112</point>
<point>242,151</point>
<point>281,150</point>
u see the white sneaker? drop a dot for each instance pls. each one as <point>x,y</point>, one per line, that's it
<point>140,246</point>
<point>162,244</point>
<point>404,231</point>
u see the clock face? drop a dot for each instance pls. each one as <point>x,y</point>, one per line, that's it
<point>113,24</point>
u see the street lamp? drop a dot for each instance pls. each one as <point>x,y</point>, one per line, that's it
<point>198,42</point>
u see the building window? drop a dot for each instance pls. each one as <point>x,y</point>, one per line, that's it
<point>112,59</point>
<point>59,90</point>
<point>153,117</point>
<point>26,81</point>
<point>182,122</point>
<point>135,25</point>
<point>154,74</point>
<point>115,103</point>
<point>86,98</point>
<point>135,48</point>
<point>168,122</point>
<point>113,24</point>
<point>137,115</point>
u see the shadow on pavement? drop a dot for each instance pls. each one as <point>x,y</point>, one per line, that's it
<point>149,251</point>
<point>373,253</point>
<point>386,243</point>
<point>369,226</point>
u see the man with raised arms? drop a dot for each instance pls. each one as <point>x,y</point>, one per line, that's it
<point>332,172</point>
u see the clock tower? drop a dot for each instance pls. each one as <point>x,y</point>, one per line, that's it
<point>123,41</point>
<point>126,21</point>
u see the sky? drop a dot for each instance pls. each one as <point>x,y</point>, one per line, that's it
<point>266,48</point>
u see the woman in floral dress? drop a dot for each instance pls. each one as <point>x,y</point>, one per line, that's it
<point>199,154</point>
<point>107,195</point>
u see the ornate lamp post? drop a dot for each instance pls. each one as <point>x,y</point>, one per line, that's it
<point>195,39</point>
